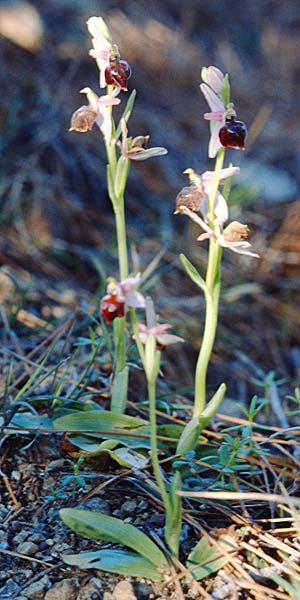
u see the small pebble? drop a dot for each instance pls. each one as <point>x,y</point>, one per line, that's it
<point>36,538</point>
<point>28,548</point>
<point>3,539</point>
<point>124,591</point>
<point>21,536</point>
<point>129,506</point>
<point>9,590</point>
<point>92,590</point>
<point>143,590</point>
<point>37,589</point>
<point>62,590</point>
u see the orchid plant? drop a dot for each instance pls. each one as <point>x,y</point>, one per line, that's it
<point>120,150</point>
<point>204,204</point>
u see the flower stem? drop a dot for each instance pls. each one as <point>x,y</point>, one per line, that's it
<point>154,450</point>
<point>121,238</point>
<point>212,295</point>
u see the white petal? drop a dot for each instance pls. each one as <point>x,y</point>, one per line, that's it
<point>221,209</point>
<point>214,142</point>
<point>165,339</point>
<point>91,97</point>
<point>214,103</point>
<point>214,78</point>
<point>141,154</point>
<point>103,121</point>
<point>135,299</point>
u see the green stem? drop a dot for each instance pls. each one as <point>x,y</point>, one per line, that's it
<point>154,450</point>
<point>211,319</point>
<point>121,238</point>
<point>212,295</point>
<point>135,330</point>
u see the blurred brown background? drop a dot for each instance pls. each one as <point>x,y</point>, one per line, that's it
<point>56,225</point>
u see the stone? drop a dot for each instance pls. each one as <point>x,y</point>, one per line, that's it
<point>63,590</point>
<point>37,590</point>
<point>3,539</point>
<point>91,590</point>
<point>28,548</point>
<point>143,590</point>
<point>124,591</point>
<point>21,536</point>
<point>9,590</point>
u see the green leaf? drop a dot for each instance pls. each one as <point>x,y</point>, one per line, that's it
<point>189,437</point>
<point>103,527</point>
<point>126,114</point>
<point>212,406</point>
<point>210,558</point>
<point>174,518</point>
<point>126,457</point>
<point>121,176</point>
<point>119,391</point>
<point>31,421</point>
<point>97,420</point>
<point>119,343</point>
<point>193,273</point>
<point>152,359</point>
<point>90,441</point>
<point>111,186</point>
<point>115,561</point>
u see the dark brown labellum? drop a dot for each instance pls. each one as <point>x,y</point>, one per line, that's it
<point>111,307</point>
<point>117,74</point>
<point>233,134</point>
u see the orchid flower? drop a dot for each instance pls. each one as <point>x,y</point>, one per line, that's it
<point>135,148</point>
<point>217,116</point>
<point>163,339</point>
<point>97,112</point>
<point>232,237</point>
<point>195,197</point>
<point>119,295</point>
<point>102,45</point>
<point>126,290</point>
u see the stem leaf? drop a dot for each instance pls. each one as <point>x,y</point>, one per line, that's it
<point>97,526</point>
<point>189,437</point>
<point>119,391</point>
<point>174,516</point>
<point>122,562</point>
<point>210,410</point>
<point>193,273</point>
<point>121,176</point>
<point>126,114</point>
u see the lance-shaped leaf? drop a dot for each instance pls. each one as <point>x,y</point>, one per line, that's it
<point>126,114</point>
<point>119,390</point>
<point>174,516</point>
<point>206,558</point>
<point>103,527</point>
<point>115,561</point>
<point>212,406</point>
<point>94,420</point>
<point>193,273</point>
<point>189,437</point>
